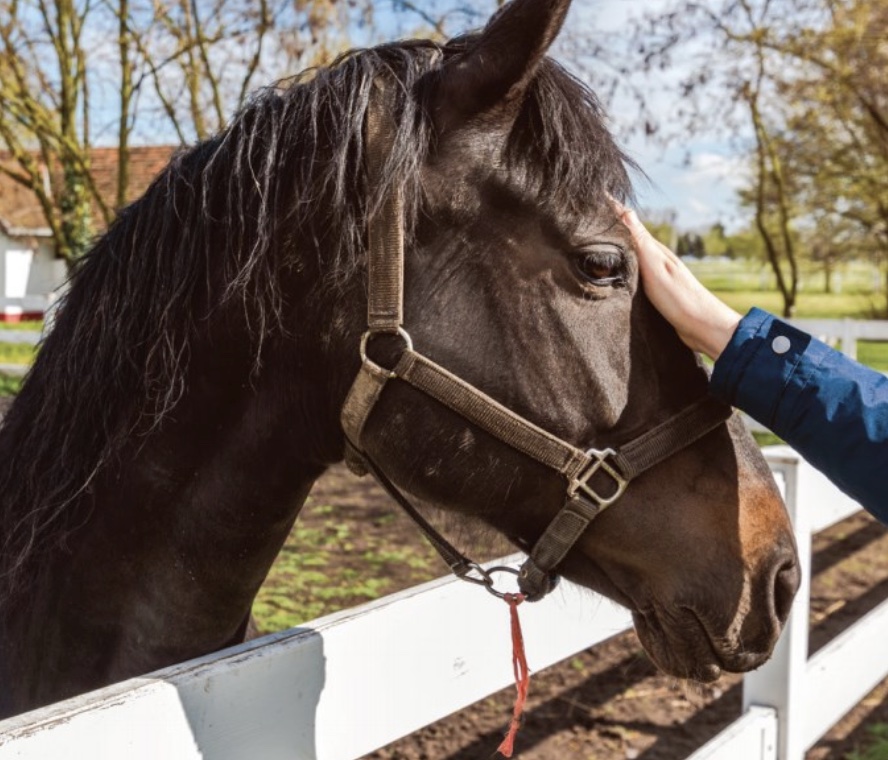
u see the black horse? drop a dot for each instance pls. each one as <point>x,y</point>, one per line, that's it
<point>190,392</point>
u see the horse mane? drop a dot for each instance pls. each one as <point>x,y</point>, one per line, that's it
<point>213,235</point>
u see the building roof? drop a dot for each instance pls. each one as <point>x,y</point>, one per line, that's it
<point>20,211</point>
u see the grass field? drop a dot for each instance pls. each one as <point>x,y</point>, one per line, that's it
<point>30,326</point>
<point>16,353</point>
<point>876,748</point>
<point>739,274</point>
<point>301,586</point>
<point>810,305</point>
<point>737,284</point>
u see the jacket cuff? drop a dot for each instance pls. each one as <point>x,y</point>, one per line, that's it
<point>757,370</point>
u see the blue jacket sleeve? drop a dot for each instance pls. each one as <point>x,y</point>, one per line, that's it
<point>829,408</point>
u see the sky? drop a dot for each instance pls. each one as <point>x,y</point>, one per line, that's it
<point>694,183</point>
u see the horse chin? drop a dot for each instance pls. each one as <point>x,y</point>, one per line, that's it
<point>682,650</point>
<point>680,644</point>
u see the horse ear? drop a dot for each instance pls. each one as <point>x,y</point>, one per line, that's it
<point>499,64</point>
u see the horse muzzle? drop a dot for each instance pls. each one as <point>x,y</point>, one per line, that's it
<point>686,641</point>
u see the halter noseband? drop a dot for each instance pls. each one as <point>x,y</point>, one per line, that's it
<point>583,503</point>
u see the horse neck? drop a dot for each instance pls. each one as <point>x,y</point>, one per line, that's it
<point>168,544</point>
<point>207,500</point>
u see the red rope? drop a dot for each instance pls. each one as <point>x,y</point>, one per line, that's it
<point>522,674</point>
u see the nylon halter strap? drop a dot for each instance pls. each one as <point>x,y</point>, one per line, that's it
<point>583,501</point>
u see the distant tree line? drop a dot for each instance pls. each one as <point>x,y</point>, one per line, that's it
<point>802,85</point>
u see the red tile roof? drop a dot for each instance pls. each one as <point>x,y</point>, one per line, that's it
<point>20,211</point>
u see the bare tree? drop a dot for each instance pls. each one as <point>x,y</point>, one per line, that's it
<point>176,67</point>
<point>798,86</point>
<point>45,113</point>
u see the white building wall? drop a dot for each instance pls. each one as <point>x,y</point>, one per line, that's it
<point>29,275</point>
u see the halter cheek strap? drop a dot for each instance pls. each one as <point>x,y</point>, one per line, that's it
<point>582,503</point>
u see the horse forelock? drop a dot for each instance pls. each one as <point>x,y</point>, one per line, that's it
<point>560,138</point>
<point>213,234</point>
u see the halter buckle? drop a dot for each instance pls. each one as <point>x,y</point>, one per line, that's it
<point>599,462</point>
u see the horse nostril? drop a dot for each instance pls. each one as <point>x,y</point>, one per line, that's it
<point>786,583</point>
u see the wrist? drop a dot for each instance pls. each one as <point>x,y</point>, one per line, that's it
<point>718,332</point>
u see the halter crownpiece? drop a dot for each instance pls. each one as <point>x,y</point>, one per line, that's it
<point>583,503</point>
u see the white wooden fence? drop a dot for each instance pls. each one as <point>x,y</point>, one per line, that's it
<point>844,333</point>
<point>792,701</point>
<point>344,685</point>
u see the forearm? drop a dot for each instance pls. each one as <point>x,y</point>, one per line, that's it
<point>831,409</point>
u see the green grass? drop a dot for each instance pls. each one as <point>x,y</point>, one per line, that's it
<point>30,326</point>
<point>766,439</point>
<point>325,566</point>
<point>9,385</point>
<point>743,284</point>
<point>743,275</point>
<point>810,305</point>
<point>873,353</point>
<point>16,353</point>
<point>876,745</point>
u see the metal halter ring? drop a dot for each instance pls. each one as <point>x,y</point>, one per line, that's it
<point>484,577</point>
<point>372,365</point>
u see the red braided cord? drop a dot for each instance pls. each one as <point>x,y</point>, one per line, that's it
<point>522,675</point>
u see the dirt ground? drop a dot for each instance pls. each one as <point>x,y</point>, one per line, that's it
<point>609,703</point>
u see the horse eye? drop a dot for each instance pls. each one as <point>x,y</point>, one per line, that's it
<point>602,266</point>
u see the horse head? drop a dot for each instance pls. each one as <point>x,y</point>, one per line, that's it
<point>520,280</point>
<point>190,392</point>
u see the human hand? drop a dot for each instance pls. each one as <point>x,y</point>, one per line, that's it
<point>702,321</point>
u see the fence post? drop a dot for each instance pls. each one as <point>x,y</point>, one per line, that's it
<point>780,683</point>
<point>849,338</point>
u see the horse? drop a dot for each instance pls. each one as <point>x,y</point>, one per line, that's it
<point>191,390</point>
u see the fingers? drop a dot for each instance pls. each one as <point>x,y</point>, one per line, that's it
<point>641,236</point>
<point>651,252</point>
<point>701,320</point>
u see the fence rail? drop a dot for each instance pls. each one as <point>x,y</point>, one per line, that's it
<point>28,337</point>
<point>844,333</point>
<point>349,683</point>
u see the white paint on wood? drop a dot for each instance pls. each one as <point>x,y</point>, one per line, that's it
<point>347,685</point>
<point>17,270</point>
<point>751,737</point>
<point>844,672</point>
<point>351,682</point>
<point>29,337</point>
<point>780,684</point>
<point>30,273</point>
<point>838,329</point>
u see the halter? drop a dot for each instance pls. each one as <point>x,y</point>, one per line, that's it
<point>583,502</point>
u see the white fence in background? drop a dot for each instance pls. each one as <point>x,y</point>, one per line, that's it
<point>29,337</point>
<point>344,685</point>
<point>844,333</point>
<point>794,700</point>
